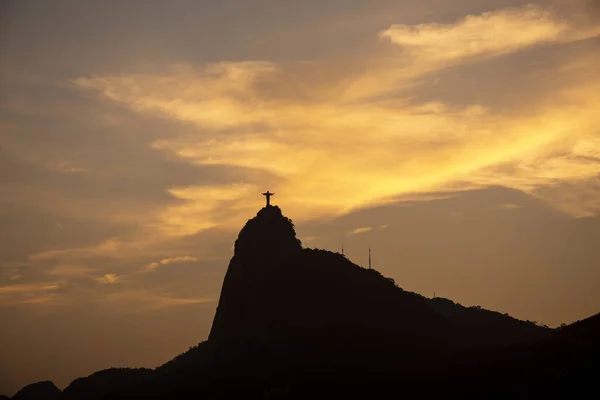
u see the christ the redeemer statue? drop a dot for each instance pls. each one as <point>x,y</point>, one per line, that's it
<point>268,196</point>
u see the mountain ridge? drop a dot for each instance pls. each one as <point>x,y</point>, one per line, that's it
<point>292,320</point>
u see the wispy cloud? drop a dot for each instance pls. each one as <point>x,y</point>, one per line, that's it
<point>12,275</point>
<point>365,229</point>
<point>105,248</point>
<point>171,260</point>
<point>70,271</point>
<point>488,34</point>
<point>353,146</point>
<point>139,299</point>
<point>358,231</point>
<point>201,208</point>
<point>30,293</point>
<point>109,279</point>
<point>510,206</point>
<point>327,147</point>
<point>28,288</point>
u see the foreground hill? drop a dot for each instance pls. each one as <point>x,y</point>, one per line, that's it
<point>301,323</point>
<point>41,390</point>
<point>105,382</point>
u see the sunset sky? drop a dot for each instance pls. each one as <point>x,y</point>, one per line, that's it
<point>459,138</point>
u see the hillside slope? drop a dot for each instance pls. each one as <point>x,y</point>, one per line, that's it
<point>304,323</point>
<point>289,314</point>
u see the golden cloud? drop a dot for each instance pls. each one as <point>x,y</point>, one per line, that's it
<point>28,287</point>
<point>180,259</point>
<point>106,248</point>
<point>510,206</point>
<point>200,209</point>
<point>109,279</point>
<point>30,293</point>
<point>171,260</point>
<point>358,231</point>
<point>490,33</point>
<point>365,229</point>
<point>350,145</point>
<point>149,300</point>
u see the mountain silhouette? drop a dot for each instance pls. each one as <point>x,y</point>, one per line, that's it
<point>105,382</point>
<point>294,322</point>
<point>41,390</point>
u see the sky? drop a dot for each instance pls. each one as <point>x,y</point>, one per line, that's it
<point>460,139</point>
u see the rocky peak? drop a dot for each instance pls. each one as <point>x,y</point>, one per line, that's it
<point>265,245</point>
<point>269,235</point>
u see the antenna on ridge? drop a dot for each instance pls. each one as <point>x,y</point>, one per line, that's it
<point>342,248</point>
<point>369,256</point>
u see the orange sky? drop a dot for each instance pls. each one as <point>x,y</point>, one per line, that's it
<point>461,139</point>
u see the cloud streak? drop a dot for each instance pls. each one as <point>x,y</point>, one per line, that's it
<point>365,229</point>
<point>30,293</point>
<point>171,260</point>
<point>489,34</point>
<point>352,145</point>
<point>329,137</point>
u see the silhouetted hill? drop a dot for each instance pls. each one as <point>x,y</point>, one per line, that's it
<point>485,328</point>
<point>285,310</point>
<point>38,391</point>
<point>294,304</point>
<point>102,383</point>
<point>585,331</point>
<point>564,365</point>
<point>306,323</point>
